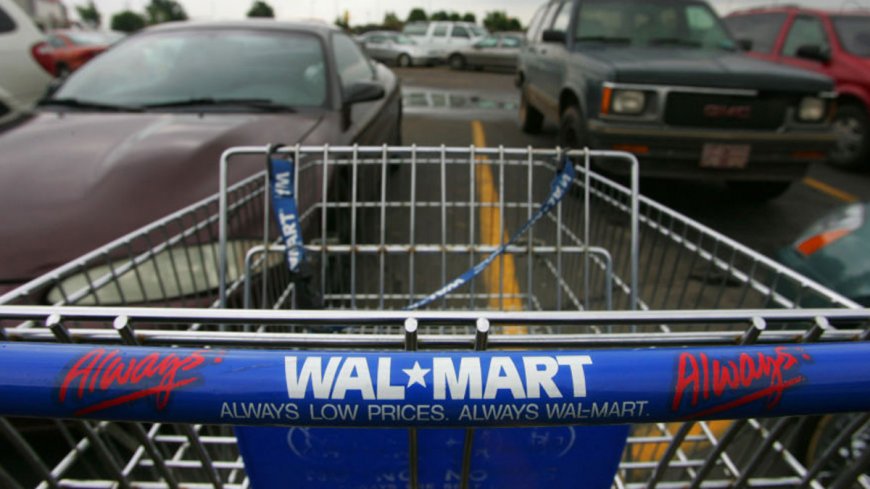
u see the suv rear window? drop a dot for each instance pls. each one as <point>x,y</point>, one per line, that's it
<point>415,29</point>
<point>761,29</point>
<point>6,22</point>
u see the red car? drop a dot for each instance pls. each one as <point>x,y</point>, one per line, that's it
<point>71,49</point>
<point>836,44</point>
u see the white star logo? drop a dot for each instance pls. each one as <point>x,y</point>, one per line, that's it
<point>416,375</point>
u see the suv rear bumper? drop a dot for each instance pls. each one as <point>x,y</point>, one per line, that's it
<point>676,152</point>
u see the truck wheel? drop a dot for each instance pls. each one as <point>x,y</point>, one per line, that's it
<point>572,129</point>
<point>758,191</point>
<point>531,121</point>
<point>404,61</point>
<point>457,62</point>
<point>853,131</point>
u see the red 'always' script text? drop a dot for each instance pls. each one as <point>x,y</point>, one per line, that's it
<point>155,374</point>
<point>757,375</point>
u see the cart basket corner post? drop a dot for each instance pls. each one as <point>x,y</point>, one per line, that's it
<point>430,317</point>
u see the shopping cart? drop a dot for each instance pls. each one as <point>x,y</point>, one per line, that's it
<point>150,362</point>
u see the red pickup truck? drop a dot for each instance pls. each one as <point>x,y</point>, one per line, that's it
<point>836,44</point>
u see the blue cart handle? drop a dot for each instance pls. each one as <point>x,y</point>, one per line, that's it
<point>433,389</point>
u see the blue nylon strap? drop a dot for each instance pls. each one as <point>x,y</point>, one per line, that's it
<point>558,188</point>
<point>281,179</point>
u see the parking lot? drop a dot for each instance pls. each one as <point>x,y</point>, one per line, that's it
<point>253,253</point>
<point>443,106</point>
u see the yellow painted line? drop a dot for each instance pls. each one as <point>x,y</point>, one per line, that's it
<point>830,190</point>
<point>503,270</point>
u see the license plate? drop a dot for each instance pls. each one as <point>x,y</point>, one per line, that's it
<point>727,156</point>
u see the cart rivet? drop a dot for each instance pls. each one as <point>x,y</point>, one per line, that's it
<point>121,322</point>
<point>823,322</point>
<point>759,323</point>
<point>483,325</point>
<point>52,321</point>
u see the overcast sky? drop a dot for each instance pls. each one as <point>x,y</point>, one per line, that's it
<point>365,11</point>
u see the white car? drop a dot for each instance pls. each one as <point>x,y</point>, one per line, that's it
<point>441,38</point>
<point>394,48</point>
<point>25,74</point>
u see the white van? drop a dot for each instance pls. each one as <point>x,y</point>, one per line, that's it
<point>25,75</point>
<point>441,38</point>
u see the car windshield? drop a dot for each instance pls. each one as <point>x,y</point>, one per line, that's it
<point>401,39</point>
<point>854,34</point>
<point>169,68</point>
<point>88,38</point>
<point>651,23</point>
<point>478,31</point>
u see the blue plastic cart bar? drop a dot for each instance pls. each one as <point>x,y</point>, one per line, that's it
<point>431,389</point>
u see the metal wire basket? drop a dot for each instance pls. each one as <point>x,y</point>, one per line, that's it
<point>607,273</point>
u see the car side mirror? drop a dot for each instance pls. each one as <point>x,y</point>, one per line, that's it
<point>814,53</point>
<point>358,93</point>
<point>555,36</point>
<point>363,92</point>
<point>744,44</point>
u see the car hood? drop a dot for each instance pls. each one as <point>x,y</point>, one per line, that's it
<point>70,182</point>
<point>705,68</point>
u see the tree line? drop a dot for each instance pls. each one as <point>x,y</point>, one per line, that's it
<point>159,11</point>
<point>494,21</point>
<point>156,12</point>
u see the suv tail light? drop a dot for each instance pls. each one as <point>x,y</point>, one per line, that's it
<point>42,54</point>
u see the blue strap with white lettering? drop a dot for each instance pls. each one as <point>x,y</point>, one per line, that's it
<point>281,179</point>
<point>558,189</point>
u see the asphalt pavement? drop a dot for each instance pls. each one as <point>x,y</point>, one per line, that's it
<point>443,105</point>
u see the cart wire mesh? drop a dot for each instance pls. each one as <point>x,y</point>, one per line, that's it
<point>386,226</point>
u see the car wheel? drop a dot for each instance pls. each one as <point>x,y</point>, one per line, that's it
<point>758,191</point>
<point>404,61</point>
<point>572,129</point>
<point>457,62</point>
<point>531,121</point>
<point>853,148</point>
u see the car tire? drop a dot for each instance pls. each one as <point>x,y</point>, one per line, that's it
<point>456,62</point>
<point>531,120</point>
<point>852,126</point>
<point>572,129</point>
<point>758,191</point>
<point>404,61</point>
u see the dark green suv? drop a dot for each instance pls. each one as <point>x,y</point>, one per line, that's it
<point>664,79</point>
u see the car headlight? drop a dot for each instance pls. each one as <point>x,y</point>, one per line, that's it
<point>623,102</point>
<point>171,274</point>
<point>812,109</point>
<point>832,228</point>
